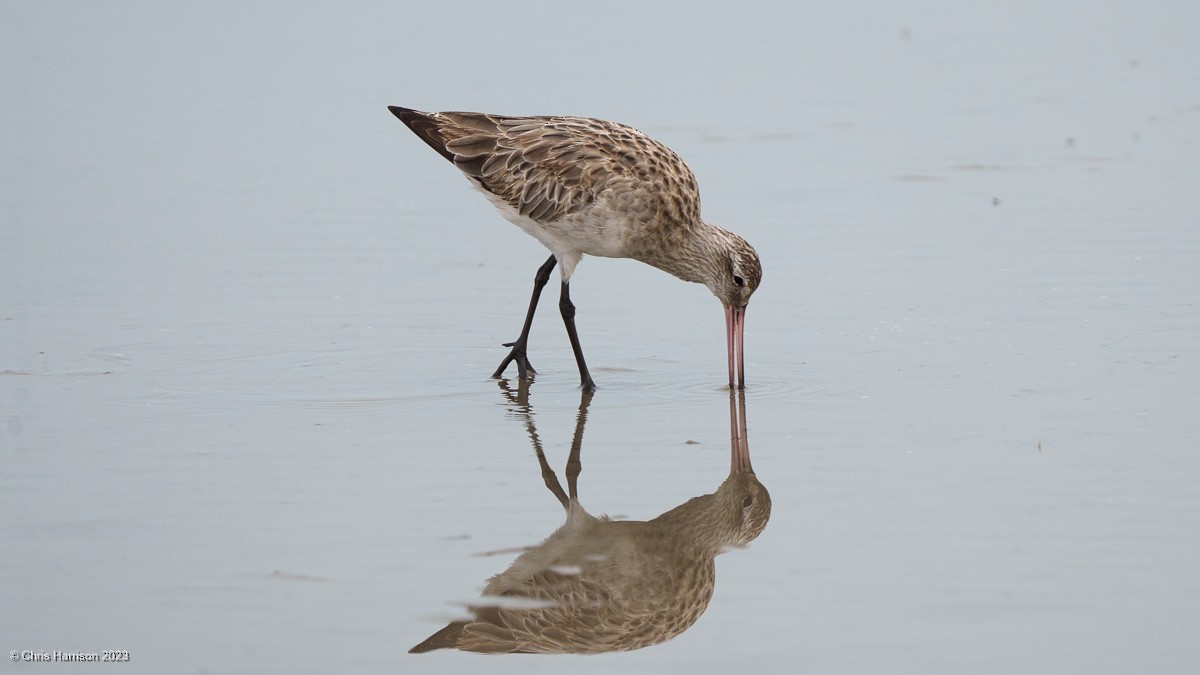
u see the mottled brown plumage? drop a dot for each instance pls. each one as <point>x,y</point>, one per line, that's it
<point>587,186</point>
<point>599,585</point>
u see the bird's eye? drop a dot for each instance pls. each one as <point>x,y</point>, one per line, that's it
<point>738,280</point>
<point>747,501</point>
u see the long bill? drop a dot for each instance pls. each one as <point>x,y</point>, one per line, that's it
<point>734,323</point>
<point>739,445</point>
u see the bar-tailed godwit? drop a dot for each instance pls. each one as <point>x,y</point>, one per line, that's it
<point>600,585</point>
<point>587,186</point>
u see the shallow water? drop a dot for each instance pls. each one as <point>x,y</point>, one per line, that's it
<point>247,319</point>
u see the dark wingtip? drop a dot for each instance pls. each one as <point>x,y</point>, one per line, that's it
<point>425,127</point>
<point>446,638</point>
<point>405,115</point>
<point>428,645</point>
<point>422,648</point>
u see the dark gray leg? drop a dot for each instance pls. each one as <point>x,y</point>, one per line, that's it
<point>524,368</point>
<point>568,314</point>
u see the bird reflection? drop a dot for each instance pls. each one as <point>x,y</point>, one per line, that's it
<point>600,585</point>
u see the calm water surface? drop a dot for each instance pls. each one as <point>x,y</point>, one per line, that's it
<point>246,323</point>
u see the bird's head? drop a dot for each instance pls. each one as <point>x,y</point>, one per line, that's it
<point>748,505</point>
<point>733,278</point>
<point>737,274</point>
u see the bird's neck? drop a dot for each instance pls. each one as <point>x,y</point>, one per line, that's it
<point>705,520</point>
<point>690,253</point>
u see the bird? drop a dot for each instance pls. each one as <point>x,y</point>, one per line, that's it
<point>600,585</point>
<point>584,186</point>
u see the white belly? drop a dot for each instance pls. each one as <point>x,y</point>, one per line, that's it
<point>571,237</point>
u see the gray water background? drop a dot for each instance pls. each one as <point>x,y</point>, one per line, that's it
<point>246,323</point>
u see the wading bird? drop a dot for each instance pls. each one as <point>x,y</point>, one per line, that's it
<point>586,186</point>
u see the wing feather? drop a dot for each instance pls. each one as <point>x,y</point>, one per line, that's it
<point>551,167</point>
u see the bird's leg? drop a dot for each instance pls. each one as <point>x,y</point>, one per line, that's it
<point>568,314</point>
<point>522,410</point>
<point>574,465</point>
<point>524,368</point>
